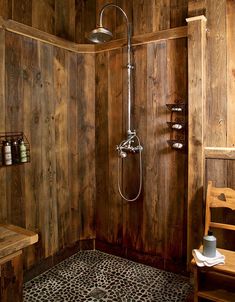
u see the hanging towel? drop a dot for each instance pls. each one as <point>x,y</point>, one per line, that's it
<point>201,260</point>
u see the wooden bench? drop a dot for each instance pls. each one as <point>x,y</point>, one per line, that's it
<point>216,283</point>
<point>12,240</point>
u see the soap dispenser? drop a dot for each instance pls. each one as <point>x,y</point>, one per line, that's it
<point>209,245</point>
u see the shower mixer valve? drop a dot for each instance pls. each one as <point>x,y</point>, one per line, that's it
<point>130,145</point>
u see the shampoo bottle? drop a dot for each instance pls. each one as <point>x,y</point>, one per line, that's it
<point>209,245</point>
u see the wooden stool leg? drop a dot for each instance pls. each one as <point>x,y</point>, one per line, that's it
<point>12,280</point>
<point>195,281</point>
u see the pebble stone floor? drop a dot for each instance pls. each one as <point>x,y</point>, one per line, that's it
<point>96,276</point>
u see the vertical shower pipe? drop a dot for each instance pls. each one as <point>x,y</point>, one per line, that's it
<point>130,67</point>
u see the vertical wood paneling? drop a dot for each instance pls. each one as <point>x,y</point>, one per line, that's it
<point>115,95</point>
<point>65,19</point>
<point>50,225</point>
<point>196,7</point>
<point>161,15</point>
<point>22,11</point>
<point>3,212</point>
<point>61,144</point>
<point>216,94</point>
<point>30,67</point>
<point>176,162</point>
<point>85,20</point>
<point>50,95</point>
<point>6,8</point>
<point>43,15</point>
<point>155,158</point>
<point>179,12</point>
<point>133,211</point>
<point>14,121</point>
<point>230,74</point>
<point>73,150</point>
<point>143,18</point>
<point>86,141</point>
<point>196,128</point>
<point>11,280</point>
<point>102,143</point>
<point>151,223</point>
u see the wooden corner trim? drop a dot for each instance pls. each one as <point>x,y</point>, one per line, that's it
<point>197,18</point>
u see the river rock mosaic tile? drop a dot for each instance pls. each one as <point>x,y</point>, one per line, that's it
<point>96,276</point>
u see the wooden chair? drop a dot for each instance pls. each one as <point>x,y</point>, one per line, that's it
<point>216,283</point>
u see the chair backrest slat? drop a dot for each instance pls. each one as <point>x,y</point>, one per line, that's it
<point>218,198</point>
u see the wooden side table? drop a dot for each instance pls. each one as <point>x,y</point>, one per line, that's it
<point>12,240</point>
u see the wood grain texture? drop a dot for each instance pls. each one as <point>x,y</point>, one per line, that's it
<point>61,144</point>
<point>196,8</point>
<point>219,153</point>
<point>102,143</point>
<point>3,212</point>
<point>45,86</point>
<point>22,11</point>
<point>147,226</point>
<point>196,128</point>
<point>65,19</point>
<point>85,20</point>
<point>216,94</point>
<point>12,280</point>
<point>43,15</point>
<point>230,73</point>
<point>85,140</point>
<point>73,19</point>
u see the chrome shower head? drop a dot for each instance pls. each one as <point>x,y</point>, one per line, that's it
<point>100,35</point>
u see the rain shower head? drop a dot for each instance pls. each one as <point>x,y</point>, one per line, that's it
<point>100,35</point>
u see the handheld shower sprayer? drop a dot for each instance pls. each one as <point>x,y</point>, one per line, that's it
<point>132,144</point>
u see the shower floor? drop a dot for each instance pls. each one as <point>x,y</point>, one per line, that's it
<point>96,276</point>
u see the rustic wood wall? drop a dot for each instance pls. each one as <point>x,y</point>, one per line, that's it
<point>72,19</point>
<point>49,94</point>
<point>144,229</point>
<point>220,91</point>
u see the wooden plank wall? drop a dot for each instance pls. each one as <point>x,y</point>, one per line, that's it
<point>49,95</point>
<point>74,18</point>
<point>143,230</point>
<point>220,83</point>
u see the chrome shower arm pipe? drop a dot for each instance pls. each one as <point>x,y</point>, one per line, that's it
<point>130,66</point>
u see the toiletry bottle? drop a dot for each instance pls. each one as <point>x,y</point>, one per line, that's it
<point>23,153</point>
<point>7,153</point>
<point>15,150</point>
<point>209,245</point>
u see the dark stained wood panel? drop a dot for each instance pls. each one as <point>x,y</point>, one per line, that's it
<point>73,19</point>
<point>65,19</point>
<point>50,94</point>
<point>61,144</point>
<point>102,146</point>
<point>31,71</point>
<point>85,20</point>
<point>14,121</point>
<point>86,145</point>
<point>177,167</point>
<point>22,11</point>
<point>6,8</point>
<point>3,212</point>
<point>48,188</point>
<point>115,131</point>
<point>146,227</point>
<point>43,15</point>
<point>75,61</point>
